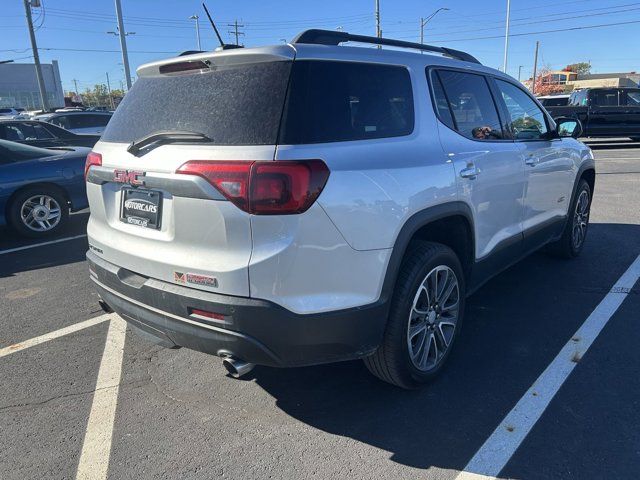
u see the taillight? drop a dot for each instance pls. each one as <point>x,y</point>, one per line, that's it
<point>280,187</point>
<point>92,159</point>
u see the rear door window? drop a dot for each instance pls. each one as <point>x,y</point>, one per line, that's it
<point>605,98</point>
<point>471,104</point>
<point>27,131</point>
<point>331,101</point>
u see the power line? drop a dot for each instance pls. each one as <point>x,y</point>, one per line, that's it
<point>235,30</point>
<point>585,27</point>
<point>572,17</point>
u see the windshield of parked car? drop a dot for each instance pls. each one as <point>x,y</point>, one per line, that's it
<point>15,152</point>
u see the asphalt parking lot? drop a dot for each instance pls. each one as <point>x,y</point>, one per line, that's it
<point>75,405</point>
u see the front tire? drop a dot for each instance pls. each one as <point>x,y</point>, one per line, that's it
<point>575,231</point>
<point>38,212</point>
<point>425,317</point>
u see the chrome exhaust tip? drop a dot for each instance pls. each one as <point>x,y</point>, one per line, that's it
<point>237,368</point>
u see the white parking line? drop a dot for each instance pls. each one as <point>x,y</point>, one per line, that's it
<point>51,242</point>
<point>53,335</point>
<point>503,442</point>
<point>96,449</point>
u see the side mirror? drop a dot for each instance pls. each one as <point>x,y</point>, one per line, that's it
<point>568,127</point>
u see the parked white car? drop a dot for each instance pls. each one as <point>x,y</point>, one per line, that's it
<point>307,203</point>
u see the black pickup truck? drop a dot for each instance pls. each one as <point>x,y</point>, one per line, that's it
<point>604,112</point>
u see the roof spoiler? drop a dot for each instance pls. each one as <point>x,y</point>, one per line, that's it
<point>333,37</point>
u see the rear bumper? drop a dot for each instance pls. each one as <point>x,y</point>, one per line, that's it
<point>253,330</point>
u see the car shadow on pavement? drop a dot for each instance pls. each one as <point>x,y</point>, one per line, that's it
<point>44,256</point>
<point>514,327</point>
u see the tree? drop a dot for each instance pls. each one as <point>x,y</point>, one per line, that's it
<point>581,68</point>
<point>544,86</point>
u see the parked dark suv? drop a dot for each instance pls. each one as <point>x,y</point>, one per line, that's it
<point>604,112</point>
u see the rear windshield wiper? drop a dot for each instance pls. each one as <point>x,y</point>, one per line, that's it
<point>162,138</point>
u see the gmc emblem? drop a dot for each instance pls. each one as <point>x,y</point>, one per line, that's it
<point>131,177</point>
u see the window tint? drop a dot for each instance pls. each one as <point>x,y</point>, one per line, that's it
<point>61,121</point>
<point>471,103</point>
<point>339,101</point>
<point>605,98</point>
<point>24,131</point>
<point>554,102</point>
<point>633,99</point>
<point>88,120</point>
<point>440,101</point>
<point>527,121</point>
<point>233,105</point>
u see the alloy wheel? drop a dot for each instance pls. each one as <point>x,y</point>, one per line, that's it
<point>433,318</point>
<point>40,213</point>
<point>580,220</point>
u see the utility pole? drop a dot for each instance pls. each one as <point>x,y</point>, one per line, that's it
<point>109,90</point>
<point>75,82</point>
<point>378,30</point>
<point>506,37</point>
<point>123,44</point>
<point>535,68</point>
<point>519,71</point>
<point>197,19</point>
<point>36,58</point>
<point>424,21</point>
<point>235,31</point>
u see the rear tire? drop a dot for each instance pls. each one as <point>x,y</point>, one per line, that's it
<point>575,231</point>
<point>38,212</point>
<point>424,318</point>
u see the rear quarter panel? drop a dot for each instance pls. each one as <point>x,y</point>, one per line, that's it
<point>348,236</point>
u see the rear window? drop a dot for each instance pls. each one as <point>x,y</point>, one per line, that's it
<point>332,101</point>
<point>238,105</point>
<point>555,102</point>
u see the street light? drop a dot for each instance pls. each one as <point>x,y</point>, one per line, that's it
<point>196,18</point>
<point>424,21</point>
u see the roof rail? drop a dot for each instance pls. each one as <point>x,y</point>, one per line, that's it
<point>333,37</point>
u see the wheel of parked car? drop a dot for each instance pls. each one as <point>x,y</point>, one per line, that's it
<point>575,232</point>
<point>425,317</point>
<point>38,211</point>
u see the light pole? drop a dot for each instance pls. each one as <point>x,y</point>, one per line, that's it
<point>424,21</point>
<point>36,58</point>
<point>506,37</point>
<point>123,43</point>
<point>519,71</point>
<point>196,18</point>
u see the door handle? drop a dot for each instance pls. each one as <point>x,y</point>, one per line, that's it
<point>470,172</point>
<point>532,160</point>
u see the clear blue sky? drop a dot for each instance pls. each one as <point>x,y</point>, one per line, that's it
<point>162,28</point>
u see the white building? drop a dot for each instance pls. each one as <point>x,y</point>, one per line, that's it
<point>19,85</point>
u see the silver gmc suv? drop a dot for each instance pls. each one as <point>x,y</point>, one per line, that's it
<point>311,202</point>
